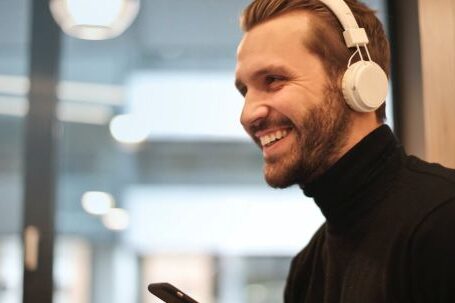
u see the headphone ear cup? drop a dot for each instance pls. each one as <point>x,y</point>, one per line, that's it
<point>365,86</point>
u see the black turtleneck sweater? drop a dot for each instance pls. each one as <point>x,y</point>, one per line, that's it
<point>389,234</point>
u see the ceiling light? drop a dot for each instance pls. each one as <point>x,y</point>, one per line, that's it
<point>94,20</point>
<point>97,202</point>
<point>130,129</point>
<point>116,219</point>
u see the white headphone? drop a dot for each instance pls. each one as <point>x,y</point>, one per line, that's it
<point>364,82</point>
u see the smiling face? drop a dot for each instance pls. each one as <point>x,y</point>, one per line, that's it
<point>292,110</point>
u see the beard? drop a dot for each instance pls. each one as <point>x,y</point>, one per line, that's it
<point>319,138</point>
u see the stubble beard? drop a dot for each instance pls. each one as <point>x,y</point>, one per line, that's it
<point>318,140</point>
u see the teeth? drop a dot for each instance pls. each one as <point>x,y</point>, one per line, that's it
<point>267,139</point>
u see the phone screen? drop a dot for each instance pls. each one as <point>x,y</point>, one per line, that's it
<point>169,293</point>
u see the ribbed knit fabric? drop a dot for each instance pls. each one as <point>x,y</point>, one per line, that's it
<point>389,234</point>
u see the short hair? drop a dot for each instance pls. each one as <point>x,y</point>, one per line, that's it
<point>328,45</point>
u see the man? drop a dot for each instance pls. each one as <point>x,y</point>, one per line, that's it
<point>390,217</point>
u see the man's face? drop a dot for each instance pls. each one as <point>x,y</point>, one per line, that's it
<point>292,110</point>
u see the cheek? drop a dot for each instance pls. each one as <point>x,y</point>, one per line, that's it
<point>286,100</point>
<point>293,105</point>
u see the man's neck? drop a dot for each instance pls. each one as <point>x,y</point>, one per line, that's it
<point>362,125</point>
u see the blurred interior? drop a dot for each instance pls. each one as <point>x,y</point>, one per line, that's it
<point>192,206</point>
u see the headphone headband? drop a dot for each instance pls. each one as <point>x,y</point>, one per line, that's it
<point>353,34</point>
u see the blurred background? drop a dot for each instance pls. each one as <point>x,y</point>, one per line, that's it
<point>154,178</point>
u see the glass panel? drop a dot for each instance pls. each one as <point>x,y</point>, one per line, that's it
<point>149,126</point>
<point>14,24</point>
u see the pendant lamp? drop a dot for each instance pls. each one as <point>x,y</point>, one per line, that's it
<point>94,19</point>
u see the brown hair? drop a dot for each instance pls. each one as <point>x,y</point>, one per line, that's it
<point>328,45</point>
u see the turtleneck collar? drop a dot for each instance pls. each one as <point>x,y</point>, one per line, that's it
<point>356,182</point>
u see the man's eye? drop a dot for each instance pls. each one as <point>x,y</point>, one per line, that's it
<point>273,82</point>
<point>271,79</point>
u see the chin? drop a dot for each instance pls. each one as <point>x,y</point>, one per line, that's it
<point>279,177</point>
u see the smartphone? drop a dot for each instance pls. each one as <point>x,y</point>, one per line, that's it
<point>169,293</point>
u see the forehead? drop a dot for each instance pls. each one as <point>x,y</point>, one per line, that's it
<point>276,41</point>
<point>293,26</point>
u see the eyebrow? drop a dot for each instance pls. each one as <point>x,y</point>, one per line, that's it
<point>269,69</point>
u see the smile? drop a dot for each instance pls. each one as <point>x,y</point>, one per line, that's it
<point>273,137</point>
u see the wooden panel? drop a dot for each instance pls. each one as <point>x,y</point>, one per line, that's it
<point>437,32</point>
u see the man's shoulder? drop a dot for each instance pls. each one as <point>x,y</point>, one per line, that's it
<point>419,192</point>
<point>313,246</point>
<point>437,226</point>
<point>431,171</point>
<point>423,183</point>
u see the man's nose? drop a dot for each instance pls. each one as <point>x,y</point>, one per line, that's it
<point>254,111</point>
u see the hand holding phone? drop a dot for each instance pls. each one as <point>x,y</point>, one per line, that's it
<point>169,293</point>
